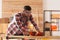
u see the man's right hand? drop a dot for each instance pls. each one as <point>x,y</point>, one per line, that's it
<point>39,34</point>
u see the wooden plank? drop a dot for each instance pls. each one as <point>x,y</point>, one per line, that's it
<point>55,15</point>
<point>4,20</point>
<point>50,37</point>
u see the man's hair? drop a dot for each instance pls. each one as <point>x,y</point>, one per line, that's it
<point>27,8</point>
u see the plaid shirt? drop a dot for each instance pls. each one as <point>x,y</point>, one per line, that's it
<point>15,29</point>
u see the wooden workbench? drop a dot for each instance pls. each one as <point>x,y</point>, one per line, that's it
<point>34,37</point>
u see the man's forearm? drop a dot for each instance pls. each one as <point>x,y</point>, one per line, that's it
<point>36,27</point>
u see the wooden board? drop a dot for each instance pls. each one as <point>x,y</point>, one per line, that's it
<point>55,15</point>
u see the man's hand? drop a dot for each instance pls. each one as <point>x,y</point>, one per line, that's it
<point>39,34</point>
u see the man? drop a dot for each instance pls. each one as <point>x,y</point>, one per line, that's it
<point>20,24</point>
